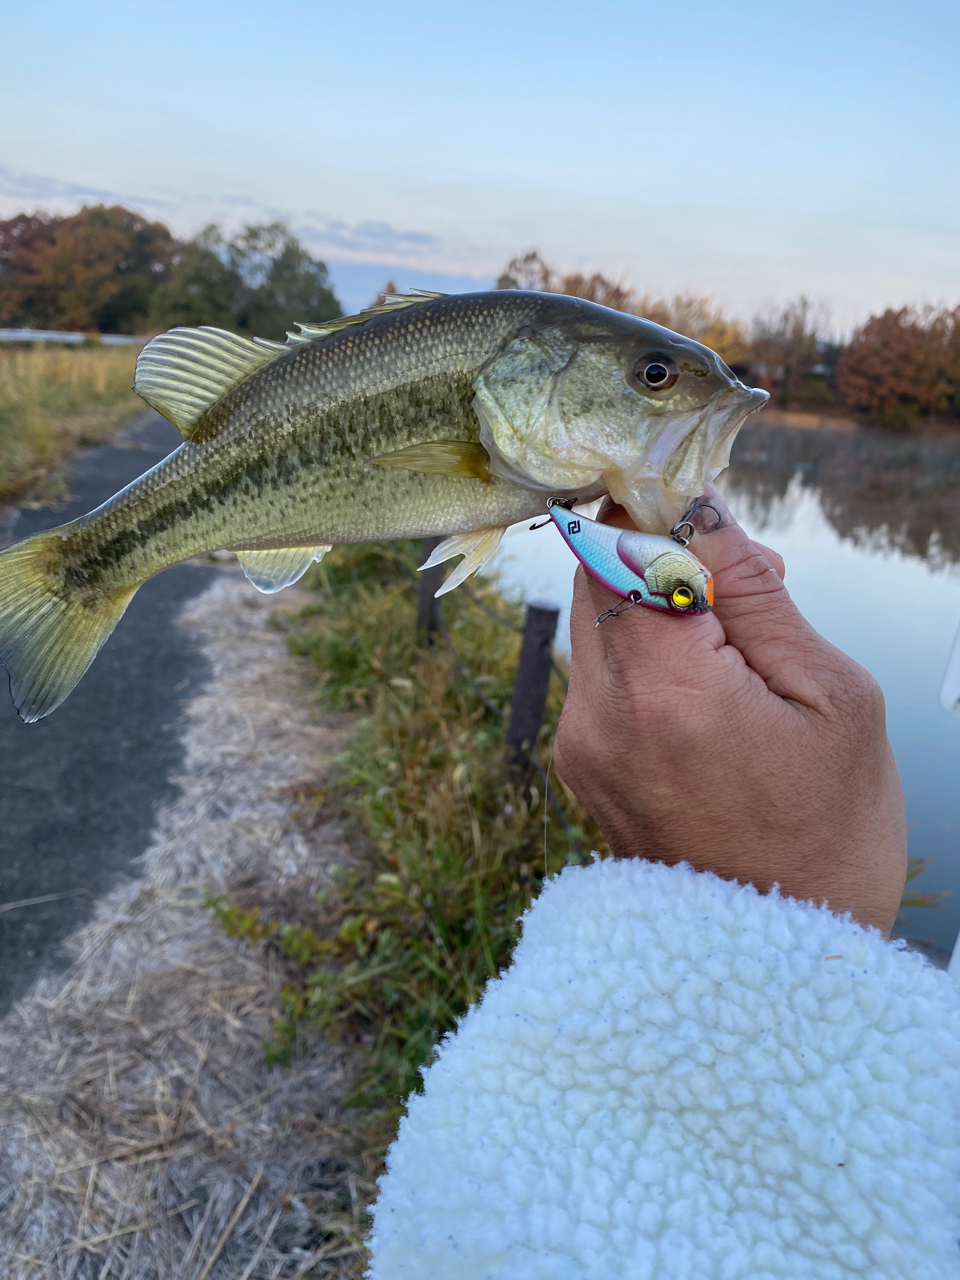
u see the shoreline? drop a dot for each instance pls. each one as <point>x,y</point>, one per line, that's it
<point>804,420</point>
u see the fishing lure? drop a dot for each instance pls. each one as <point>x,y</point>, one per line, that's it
<point>642,568</point>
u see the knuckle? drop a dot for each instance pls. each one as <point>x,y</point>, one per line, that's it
<point>870,696</point>
<point>751,573</point>
<point>858,695</point>
<point>573,749</point>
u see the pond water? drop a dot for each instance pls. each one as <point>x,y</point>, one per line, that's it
<point>869,526</point>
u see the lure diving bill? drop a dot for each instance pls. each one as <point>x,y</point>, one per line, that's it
<point>644,568</point>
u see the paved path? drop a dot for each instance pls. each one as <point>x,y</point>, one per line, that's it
<point>78,791</point>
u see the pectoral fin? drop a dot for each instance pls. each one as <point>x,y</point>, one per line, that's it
<point>271,571</point>
<point>476,549</point>
<point>441,458</point>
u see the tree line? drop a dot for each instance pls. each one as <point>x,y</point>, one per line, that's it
<point>112,270</point>
<point>901,368</point>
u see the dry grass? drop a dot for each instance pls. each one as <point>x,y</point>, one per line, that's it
<point>143,1135</point>
<point>53,399</point>
<point>457,846</point>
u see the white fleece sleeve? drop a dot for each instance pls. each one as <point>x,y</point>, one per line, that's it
<point>679,1077</point>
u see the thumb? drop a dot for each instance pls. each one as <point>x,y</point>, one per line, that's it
<point>756,612</point>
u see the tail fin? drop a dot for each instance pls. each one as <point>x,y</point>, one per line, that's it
<point>48,638</point>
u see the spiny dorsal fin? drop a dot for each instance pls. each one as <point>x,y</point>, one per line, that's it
<point>462,458</point>
<point>392,302</point>
<point>184,373</point>
<point>271,571</point>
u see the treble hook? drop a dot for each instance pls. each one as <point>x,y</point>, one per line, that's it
<point>687,523</point>
<point>567,503</point>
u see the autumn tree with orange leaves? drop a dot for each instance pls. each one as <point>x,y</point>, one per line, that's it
<point>902,364</point>
<point>93,271</point>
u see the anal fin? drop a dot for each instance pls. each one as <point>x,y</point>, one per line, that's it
<point>271,571</point>
<point>476,549</point>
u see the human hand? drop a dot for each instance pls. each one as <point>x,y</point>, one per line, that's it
<point>739,741</point>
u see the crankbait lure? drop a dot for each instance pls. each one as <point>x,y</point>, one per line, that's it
<point>642,568</point>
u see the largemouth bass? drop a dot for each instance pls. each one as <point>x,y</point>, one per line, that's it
<point>428,414</point>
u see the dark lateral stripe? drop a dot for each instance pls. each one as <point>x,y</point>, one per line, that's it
<point>345,434</point>
<point>250,479</point>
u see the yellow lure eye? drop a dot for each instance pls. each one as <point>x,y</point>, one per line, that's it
<point>682,597</point>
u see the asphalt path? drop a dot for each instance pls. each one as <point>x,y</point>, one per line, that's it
<point>78,791</point>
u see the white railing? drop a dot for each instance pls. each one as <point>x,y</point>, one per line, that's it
<point>72,339</point>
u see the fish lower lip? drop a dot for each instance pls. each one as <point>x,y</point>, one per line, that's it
<point>737,401</point>
<point>756,397</point>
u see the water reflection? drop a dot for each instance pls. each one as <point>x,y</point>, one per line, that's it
<point>881,491</point>
<point>869,526</point>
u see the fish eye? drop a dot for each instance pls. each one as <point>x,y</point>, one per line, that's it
<point>682,597</point>
<point>656,371</point>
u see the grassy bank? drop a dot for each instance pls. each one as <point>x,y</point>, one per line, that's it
<point>449,847</point>
<point>452,846</point>
<point>53,400</point>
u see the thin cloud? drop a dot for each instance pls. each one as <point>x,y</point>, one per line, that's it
<point>363,241</point>
<point>366,238</point>
<point>41,187</point>
<point>241,202</point>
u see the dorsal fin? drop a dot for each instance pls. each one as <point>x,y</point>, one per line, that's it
<point>183,373</point>
<point>392,302</point>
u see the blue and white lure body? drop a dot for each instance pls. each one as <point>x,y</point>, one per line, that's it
<point>645,568</point>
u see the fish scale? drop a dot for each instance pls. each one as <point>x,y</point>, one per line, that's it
<point>427,415</point>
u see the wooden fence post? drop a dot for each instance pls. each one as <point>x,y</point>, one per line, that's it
<point>428,615</point>
<point>533,679</point>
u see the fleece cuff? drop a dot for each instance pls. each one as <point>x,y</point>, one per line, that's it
<point>680,1077</point>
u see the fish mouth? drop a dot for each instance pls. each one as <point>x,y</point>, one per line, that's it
<point>754,398</point>
<point>696,447</point>
<point>719,422</point>
<point>725,414</point>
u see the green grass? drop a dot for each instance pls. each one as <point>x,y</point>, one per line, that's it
<point>53,400</point>
<point>453,846</point>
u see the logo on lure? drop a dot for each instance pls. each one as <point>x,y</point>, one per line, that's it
<point>642,568</point>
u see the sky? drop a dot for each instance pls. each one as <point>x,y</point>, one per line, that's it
<point>752,151</point>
